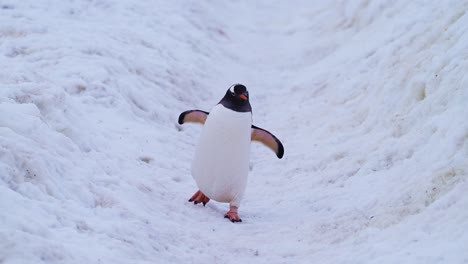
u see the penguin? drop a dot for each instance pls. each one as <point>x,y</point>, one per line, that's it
<point>221,162</point>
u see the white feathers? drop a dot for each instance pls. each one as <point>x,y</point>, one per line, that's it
<point>221,163</point>
<point>231,89</point>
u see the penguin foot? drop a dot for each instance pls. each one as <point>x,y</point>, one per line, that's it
<point>199,197</point>
<point>232,215</point>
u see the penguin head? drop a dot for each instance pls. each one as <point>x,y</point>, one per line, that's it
<point>238,93</point>
<point>237,99</point>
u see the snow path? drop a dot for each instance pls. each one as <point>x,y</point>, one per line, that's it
<point>368,97</point>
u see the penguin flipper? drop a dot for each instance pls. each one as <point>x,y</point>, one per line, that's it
<point>193,116</point>
<point>263,136</point>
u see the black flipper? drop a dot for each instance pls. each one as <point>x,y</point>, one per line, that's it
<point>268,139</point>
<point>193,116</point>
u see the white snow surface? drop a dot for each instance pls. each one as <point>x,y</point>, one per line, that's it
<point>370,99</point>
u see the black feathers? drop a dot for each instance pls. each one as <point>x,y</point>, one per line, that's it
<point>237,99</point>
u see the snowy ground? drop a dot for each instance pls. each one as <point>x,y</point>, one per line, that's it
<point>368,97</point>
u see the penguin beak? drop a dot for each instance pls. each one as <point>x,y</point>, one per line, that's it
<point>243,97</point>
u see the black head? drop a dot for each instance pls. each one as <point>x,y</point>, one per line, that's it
<point>237,98</point>
<point>238,92</point>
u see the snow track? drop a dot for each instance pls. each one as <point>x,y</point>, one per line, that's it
<point>368,97</point>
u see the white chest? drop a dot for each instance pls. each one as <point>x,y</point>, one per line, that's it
<point>221,161</point>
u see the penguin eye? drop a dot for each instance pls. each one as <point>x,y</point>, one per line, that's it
<point>233,93</point>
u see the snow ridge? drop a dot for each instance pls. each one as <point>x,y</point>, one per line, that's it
<point>368,97</point>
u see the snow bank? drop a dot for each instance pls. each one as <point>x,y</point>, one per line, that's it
<point>368,97</point>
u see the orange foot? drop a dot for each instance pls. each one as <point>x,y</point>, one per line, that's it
<point>232,215</point>
<point>199,197</point>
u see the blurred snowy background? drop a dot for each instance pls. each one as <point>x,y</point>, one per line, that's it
<point>370,99</point>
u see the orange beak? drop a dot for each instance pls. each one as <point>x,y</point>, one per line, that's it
<point>243,97</point>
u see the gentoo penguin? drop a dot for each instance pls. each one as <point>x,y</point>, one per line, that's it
<point>221,161</point>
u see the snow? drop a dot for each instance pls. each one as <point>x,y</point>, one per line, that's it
<point>368,98</point>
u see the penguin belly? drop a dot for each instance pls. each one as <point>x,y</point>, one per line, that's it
<point>221,163</point>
